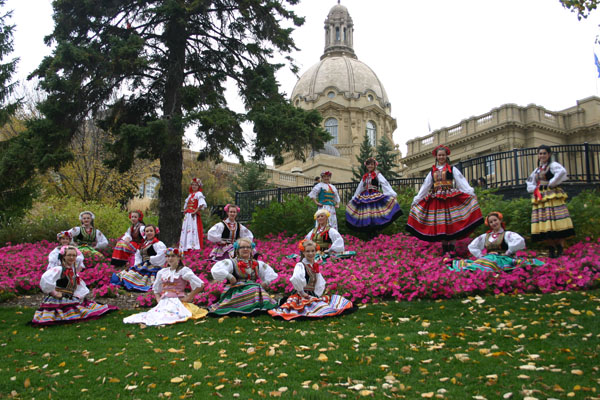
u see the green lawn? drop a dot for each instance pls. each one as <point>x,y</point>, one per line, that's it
<point>541,346</point>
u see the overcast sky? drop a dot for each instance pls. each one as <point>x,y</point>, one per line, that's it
<point>440,61</point>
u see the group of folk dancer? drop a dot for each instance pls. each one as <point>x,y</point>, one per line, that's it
<point>444,210</point>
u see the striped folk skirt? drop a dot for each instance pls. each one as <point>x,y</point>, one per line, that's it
<point>55,311</point>
<point>123,251</point>
<point>442,217</point>
<point>314,307</point>
<point>550,217</point>
<point>243,298</point>
<point>138,278</point>
<point>492,263</point>
<point>372,210</point>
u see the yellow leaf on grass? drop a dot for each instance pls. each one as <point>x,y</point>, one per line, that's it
<point>114,380</point>
<point>27,383</point>
<point>322,357</point>
<point>152,385</point>
<point>62,364</point>
<point>577,372</point>
<point>172,350</point>
<point>197,364</point>
<point>427,395</point>
<point>574,311</point>
<point>177,379</point>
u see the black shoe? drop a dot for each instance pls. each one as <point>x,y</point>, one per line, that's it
<point>559,251</point>
<point>451,249</point>
<point>552,252</point>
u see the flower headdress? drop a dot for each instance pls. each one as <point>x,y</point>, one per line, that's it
<point>371,160</point>
<point>226,208</point>
<point>197,181</point>
<point>63,234</point>
<point>441,146</point>
<point>81,214</point>
<point>496,214</point>
<point>322,211</point>
<point>138,212</point>
<point>326,173</point>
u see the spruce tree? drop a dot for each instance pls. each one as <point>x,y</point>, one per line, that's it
<point>366,151</point>
<point>386,157</point>
<point>150,69</point>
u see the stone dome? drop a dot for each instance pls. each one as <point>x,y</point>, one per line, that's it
<point>344,76</point>
<point>327,150</point>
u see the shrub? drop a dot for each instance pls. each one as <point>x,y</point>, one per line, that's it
<point>294,216</point>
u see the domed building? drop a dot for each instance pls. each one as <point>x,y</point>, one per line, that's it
<point>349,96</point>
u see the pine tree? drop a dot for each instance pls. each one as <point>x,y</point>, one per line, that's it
<point>150,69</point>
<point>366,151</point>
<point>16,187</point>
<point>386,157</point>
<point>251,176</point>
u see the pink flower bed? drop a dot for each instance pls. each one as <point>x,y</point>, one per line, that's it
<point>397,267</point>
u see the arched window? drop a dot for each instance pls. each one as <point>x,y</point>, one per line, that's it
<point>331,126</point>
<point>337,34</point>
<point>372,133</point>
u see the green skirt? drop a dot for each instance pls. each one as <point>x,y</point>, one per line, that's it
<point>244,298</point>
<point>493,262</point>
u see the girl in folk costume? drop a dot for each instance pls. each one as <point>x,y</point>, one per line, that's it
<point>308,299</point>
<point>326,196</point>
<point>445,209</point>
<point>550,219</point>
<point>327,238</point>
<point>226,232</point>
<point>131,240</point>
<point>174,305</point>
<point>65,293</point>
<point>495,250</point>
<point>369,208</point>
<point>243,295</point>
<point>192,231</point>
<point>87,237</point>
<point>64,239</point>
<point>149,259</point>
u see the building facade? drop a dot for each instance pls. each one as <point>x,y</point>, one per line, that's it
<point>349,96</point>
<point>506,128</point>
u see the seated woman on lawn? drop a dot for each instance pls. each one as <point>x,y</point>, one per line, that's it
<point>65,294</point>
<point>243,295</point>
<point>329,240</point>
<point>174,305</point>
<point>225,233</point>
<point>494,250</point>
<point>308,300</point>
<point>130,241</point>
<point>64,239</point>
<point>149,259</point>
<point>89,239</point>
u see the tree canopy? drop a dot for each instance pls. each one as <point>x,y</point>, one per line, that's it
<point>366,151</point>
<point>386,157</point>
<point>149,70</point>
<point>583,8</point>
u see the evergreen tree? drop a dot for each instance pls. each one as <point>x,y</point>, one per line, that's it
<point>366,151</point>
<point>252,176</point>
<point>149,69</point>
<point>16,187</point>
<point>386,157</point>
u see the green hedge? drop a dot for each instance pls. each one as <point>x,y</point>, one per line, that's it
<point>295,215</point>
<point>53,215</point>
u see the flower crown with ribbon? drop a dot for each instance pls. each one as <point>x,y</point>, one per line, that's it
<point>302,246</point>
<point>371,160</point>
<point>236,245</point>
<point>63,234</point>
<point>322,211</point>
<point>226,208</point>
<point>441,146</point>
<point>496,214</point>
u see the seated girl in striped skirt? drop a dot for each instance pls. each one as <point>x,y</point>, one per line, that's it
<point>243,295</point>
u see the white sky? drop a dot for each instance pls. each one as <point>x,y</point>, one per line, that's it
<point>440,61</point>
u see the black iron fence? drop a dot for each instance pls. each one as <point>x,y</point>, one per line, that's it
<point>506,170</point>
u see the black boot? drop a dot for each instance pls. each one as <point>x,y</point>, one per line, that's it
<point>559,250</point>
<point>444,248</point>
<point>551,252</point>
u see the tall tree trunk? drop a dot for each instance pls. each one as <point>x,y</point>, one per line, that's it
<point>171,160</point>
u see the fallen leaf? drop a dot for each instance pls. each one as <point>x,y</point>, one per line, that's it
<point>322,357</point>
<point>177,379</point>
<point>197,364</point>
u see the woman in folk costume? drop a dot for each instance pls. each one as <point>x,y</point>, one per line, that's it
<point>89,239</point>
<point>445,209</point>
<point>174,305</point>
<point>244,295</point>
<point>131,240</point>
<point>149,259</point>
<point>65,294</point>
<point>192,231</point>
<point>326,196</point>
<point>308,299</point>
<point>495,250</point>
<point>225,233</point>
<point>64,239</point>
<point>550,219</point>
<point>327,238</point>
<point>369,208</point>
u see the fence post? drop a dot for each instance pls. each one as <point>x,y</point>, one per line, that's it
<point>516,166</point>
<point>586,154</point>
<point>279,195</point>
<point>459,166</point>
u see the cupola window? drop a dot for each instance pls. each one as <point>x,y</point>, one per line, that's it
<point>372,133</point>
<point>331,126</point>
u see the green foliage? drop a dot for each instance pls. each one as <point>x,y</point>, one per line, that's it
<point>582,8</point>
<point>7,68</point>
<point>366,151</point>
<point>150,70</point>
<point>386,157</point>
<point>295,216</point>
<point>45,219</point>
<point>251,176</point>
<point>585,213</point>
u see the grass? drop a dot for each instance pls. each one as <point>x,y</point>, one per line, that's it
<point>541,346</point>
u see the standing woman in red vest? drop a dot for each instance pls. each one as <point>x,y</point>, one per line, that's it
<point>550,219</point>
<point>445,209</point>
<point>192,231</point>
